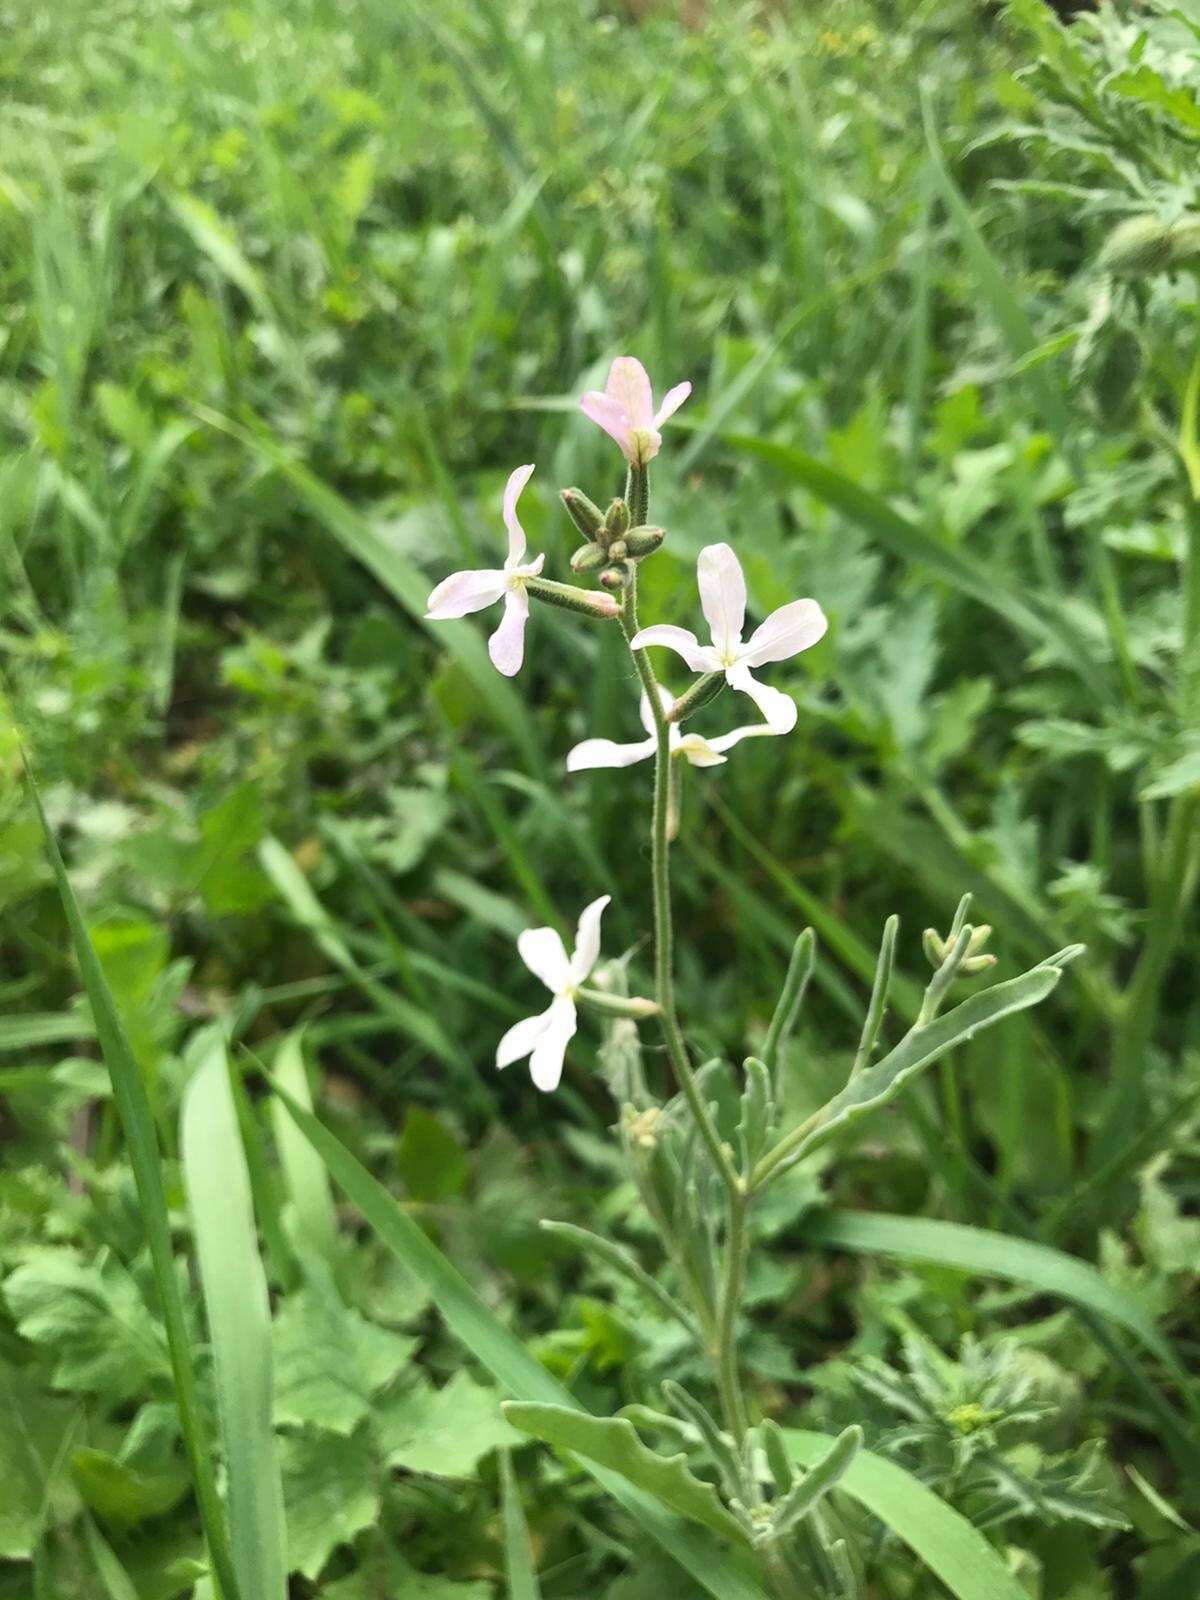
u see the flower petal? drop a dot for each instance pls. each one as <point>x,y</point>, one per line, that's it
<point>755,730</point>
<point>546,1062</point>
<point>785,633</point>
<point>521,1038</point>
<point>684,643</point>
<point>699,751</point>
<point>629,385</point>
<point>587,939</point>
<point>543,953</point>
<point>593,753</point>
<point>608,415</point>
<point>672,401</point>
<point>507,645</point>
<point>463,592</point>
<point>778,708</point>
<point>722,596</point>
<point>517,479</point>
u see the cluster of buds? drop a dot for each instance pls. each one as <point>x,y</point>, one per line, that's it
<point>611,544</point>
<point>972,958</point>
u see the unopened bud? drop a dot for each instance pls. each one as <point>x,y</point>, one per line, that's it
<point>586,601</point>
<point>1137,248</point>
<point>613,578</point>
<point>934,947</point>
<point>641,542</point>
<point>584,513</point>
<point>617,550</point>
<point>616,520</point>
<point>588,557</point>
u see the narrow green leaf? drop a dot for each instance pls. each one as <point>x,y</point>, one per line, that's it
<point>876,1086</point>
<point>141,1141</point>
<point>719,1572</point>
<point>1000,1255</point>
<point>519,1569</point>
<point>824,1474</point>
<point>239,1321</point>
<point>313,1220</point>
<point>614,1443</point>
<point>945,1541</point>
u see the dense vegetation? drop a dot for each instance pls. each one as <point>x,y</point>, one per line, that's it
<point>286,291</point>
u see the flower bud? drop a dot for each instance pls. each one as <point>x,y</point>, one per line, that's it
<point>616,520</point>
<point>614,578</point>
<point>617,550</point>
<point>586,601</point>
<point>1137,248</point>
<point>584,513</point>
<point>643,541</point>
<point>588,557</point>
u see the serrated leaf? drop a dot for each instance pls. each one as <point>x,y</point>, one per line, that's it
<point>330,1362</point>
<point>94,1322</point>
<point>330,1492</point>
<point>443,1431</point>
<point>614,1442</point>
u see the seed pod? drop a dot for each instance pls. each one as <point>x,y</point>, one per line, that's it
<point>588,557</point>
<point>584,513</point>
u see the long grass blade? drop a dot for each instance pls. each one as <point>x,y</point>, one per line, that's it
<point>141,1140</point>
<point>239,1320</point>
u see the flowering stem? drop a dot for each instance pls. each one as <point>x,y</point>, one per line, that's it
<point>729,1382</point>
<point>661,892</point>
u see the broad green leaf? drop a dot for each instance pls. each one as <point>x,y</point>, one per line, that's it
<point>945,1541</point>
<point>976,1250</point>
<point>519,1569</point>
<point>331,1491</point>
<point>876,1086</point>
<point>93,1321</point>
<point>120,1494</point>
<point>141,1140</point>
<point>445,1431</point>
<point>384,1573</point>
<point>33,1429</point>
<point>507,1359</point>
<point>614,1442</point>
<point>430,1160</point>
<point>330,1361</point>
<point>239,1320</point>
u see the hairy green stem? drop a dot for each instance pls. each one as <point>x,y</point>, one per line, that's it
<point>664,980</point>
<point>729,1381</point>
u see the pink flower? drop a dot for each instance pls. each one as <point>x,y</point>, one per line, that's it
<point>693,747</point>
<point>544,1038</point>
<point>626,409</point>
<point>785,633</point>
<point>463,592</point>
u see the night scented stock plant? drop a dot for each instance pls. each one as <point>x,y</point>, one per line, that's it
<point>698,1186</point>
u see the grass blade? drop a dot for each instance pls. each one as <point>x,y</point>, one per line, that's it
<point>518,1552</point>
<point>514,1369</point>
<point>313,1223</point>
<point>141,1141</point>
<point>999,1255</point>
<point>945,1541</point>
<point>239,1320</point>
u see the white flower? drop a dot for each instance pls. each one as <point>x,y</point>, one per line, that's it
<point>693,747</point>
<point>785,633</point>
<point>626,409</point>
<point>544,1038</point>
<point>463,592</point>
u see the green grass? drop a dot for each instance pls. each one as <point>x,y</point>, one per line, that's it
<point>285,292</point>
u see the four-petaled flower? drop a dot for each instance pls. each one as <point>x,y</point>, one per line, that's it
<point>544,1038</point>
<point>693,747</point>
<point>463,592</point>
<point>626,409</point>
<point>784,633</point>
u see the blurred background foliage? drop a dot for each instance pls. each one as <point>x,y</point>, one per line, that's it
<point>285,292</point>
